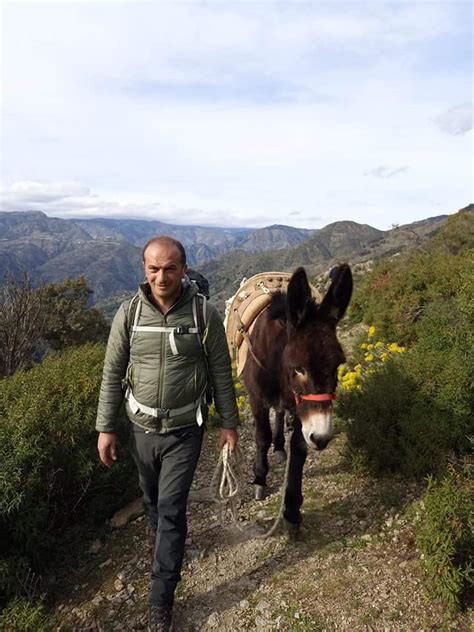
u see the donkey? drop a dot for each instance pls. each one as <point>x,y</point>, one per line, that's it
<point>293,366</point>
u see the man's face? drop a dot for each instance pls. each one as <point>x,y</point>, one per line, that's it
<point>164,272</point>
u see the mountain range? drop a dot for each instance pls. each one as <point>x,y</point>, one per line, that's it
<point>108,251</point>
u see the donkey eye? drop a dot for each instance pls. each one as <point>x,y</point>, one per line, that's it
<point>299,371</point>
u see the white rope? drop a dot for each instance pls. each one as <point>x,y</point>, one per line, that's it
<point>281,509</point>
<point>225,487</point>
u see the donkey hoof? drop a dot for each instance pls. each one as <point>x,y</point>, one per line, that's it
<point>259,492</point>
<point>280,456</point>
<point>294,531</point>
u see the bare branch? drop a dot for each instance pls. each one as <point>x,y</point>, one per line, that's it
<point>23,316</point>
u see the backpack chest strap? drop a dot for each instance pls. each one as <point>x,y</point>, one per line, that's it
<point>180,329</point>
<point>172,331</point>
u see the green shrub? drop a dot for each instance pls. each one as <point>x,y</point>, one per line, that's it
<point>410,415</point>
<point>442,361</point>
<point>51,477</point>
<point>22,615</point>
<point>35,321</point>
<point>373,421</point>
<point>392,427</point>
<point>395,296</point>
<point>445,533</point>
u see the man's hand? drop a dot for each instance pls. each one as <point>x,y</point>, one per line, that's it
<point>107,446</point>
<point>228,435</point>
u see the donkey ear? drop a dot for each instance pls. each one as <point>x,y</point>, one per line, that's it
<point>298,295</point>
<point>337,298</point>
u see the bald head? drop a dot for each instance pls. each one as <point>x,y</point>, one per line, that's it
<point>164,240</point>
<point>164,270</point>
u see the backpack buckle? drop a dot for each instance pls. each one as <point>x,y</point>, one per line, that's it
<point>181,329</point>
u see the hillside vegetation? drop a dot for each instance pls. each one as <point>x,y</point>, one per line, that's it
<point>412,413</point>
<point>51,481</point>
<point>406,409</point>
<point>37,320</point>
<point>400,290</point>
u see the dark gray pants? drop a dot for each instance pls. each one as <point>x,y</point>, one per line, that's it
<point>166,465</point>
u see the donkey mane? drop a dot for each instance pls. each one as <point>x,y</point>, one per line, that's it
<point>277,307</point>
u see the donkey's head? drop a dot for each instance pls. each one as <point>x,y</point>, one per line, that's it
<point>313,353</point>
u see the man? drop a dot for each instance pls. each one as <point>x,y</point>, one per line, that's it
<point>165,361</point>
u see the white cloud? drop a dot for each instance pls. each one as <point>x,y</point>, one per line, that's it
<point>239,113</point>
<point>386,172</point>
<point>45,191</point>
<point>456,120</point>
<point>68,200</point>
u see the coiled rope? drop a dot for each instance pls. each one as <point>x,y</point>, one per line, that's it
<point>225,488</point>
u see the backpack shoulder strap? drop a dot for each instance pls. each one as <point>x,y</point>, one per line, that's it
<point>201,320</point>
<point>200,314</point>
<point>133,315</point>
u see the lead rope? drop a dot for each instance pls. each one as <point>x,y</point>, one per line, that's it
<point>281,509</point>
<point>225,487</point>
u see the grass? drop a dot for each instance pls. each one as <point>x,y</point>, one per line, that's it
<point>371,615</point>
<point>299,621</point>
<point>265,553</point>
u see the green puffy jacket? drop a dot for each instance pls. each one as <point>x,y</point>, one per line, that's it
<point>163,372</point>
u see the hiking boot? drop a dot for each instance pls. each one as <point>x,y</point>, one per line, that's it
<point>159,618</point>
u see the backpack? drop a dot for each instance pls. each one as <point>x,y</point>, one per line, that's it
<point>200,315</point>
<point>200,280</point>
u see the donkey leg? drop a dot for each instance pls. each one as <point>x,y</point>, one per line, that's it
<point>263,440</point>
<point>293,494</point>
<point>279,436</point>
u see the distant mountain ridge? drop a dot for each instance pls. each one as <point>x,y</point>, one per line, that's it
<point>201,243</point>
<point>37,225</point>
<point>336,242</point>
<point>275,237</point>
<point>108,251</point>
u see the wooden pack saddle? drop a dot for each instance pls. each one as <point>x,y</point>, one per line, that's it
<point>243,309</point>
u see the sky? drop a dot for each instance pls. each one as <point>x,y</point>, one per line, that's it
<point>237,113</point>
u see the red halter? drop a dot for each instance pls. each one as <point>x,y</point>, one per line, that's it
<point>321,397</point>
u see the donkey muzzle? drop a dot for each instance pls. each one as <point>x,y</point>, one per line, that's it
<point>317,428</point>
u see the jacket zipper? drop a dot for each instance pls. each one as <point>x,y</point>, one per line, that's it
<point>162,366</point>
<point>163,354</point>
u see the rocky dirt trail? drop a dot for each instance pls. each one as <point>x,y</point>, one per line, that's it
<point>354,567</point>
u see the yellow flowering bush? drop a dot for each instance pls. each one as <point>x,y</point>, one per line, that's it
<point>240,397</point>
<point>240,394</point>
<point>375,353</point>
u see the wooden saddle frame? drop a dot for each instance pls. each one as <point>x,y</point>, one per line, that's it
<point>243,309</point>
